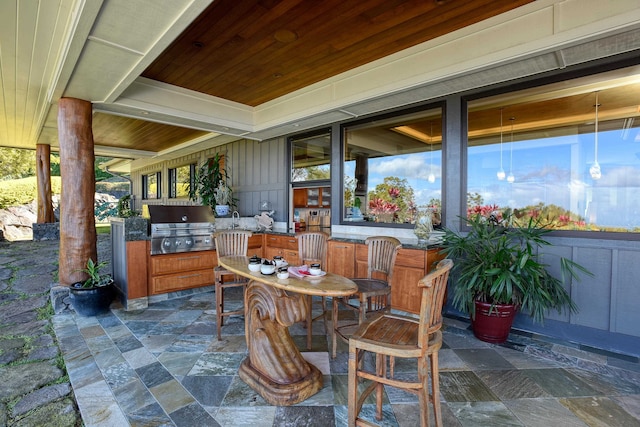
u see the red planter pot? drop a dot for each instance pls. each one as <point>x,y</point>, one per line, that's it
<point>493,324</point>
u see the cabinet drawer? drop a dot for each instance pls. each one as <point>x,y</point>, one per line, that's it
<point>183,280</point>
<point>174,263</point>
<point>414,258</point>
<point>284,242</point>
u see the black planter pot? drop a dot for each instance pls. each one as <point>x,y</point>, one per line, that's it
<point>91,301</point>
<point>492,324</point>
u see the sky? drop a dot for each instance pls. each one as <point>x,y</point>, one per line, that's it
<point>549,171</point>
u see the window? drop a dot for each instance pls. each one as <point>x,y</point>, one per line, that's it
<point>311,157</point>
<point>180,179</point>
<point>547,147</point>
<point>151,186</point>
<point>392,167</point>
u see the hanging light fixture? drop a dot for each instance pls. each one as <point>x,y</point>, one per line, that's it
<point>501,173</point>
<point>510,177</point>
<point>431,178</point>
<point>594,170</point>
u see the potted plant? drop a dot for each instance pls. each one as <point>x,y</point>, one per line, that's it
<point>93,295</point>
<point>223,199</point>
<point>210,185</point>
<point>498,270</point>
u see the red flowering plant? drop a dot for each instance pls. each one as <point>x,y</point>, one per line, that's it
<point>394,192</point>
<point>381,207</point>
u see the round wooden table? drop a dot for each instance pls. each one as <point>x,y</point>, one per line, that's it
<point>275,367</point>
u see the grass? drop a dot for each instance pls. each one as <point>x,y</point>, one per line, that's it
<point>103,228</point>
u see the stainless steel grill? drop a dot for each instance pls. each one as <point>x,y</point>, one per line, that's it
<point>181,229</point>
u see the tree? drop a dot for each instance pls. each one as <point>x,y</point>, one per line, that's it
<point>17,163</point>
<point>398,191</point>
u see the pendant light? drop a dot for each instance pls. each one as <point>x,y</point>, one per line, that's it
<point>500,173</point>
<point>510,177</point>
<point>431,178</point>
<point>594,170</point>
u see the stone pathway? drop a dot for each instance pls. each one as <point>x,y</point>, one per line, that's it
<point>34,387</point>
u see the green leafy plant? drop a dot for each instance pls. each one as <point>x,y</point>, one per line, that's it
<point>95,279</point>
<point>497,264</point>
<point>208,178</point>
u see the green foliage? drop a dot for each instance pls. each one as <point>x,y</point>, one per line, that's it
<point>208,178</point>
<point>95,279</point>
<point>124,207</point>
<point>501,265</point>
<point>16,163</point>
<point>23,191</point>
<point>99,173</point>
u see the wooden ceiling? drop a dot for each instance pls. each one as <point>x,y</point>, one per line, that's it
<point>255,51</point>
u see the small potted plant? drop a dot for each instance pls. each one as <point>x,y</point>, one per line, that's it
<point>498,270</point>
<point>223,199</point>
<point>93,295</point>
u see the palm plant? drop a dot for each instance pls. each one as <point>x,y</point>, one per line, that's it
<point>497,264</point>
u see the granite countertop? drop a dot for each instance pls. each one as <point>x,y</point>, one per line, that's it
<point>137,229</point>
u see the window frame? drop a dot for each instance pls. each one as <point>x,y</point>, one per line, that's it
<point>145,185</point>
<point>505,90</point>
<point>389,115</point>
<point>173,180</point>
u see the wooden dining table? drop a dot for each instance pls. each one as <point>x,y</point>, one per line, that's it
<point>274,366</point>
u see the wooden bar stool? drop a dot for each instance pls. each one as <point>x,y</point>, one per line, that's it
<point>312,248</point>
<point>391,335</point>
<point>228,242</point>
<point>374,291</point>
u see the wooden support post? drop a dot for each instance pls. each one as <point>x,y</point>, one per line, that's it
<point>43,176</point>
<point>77,221</point>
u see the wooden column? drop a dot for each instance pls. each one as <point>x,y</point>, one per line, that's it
<point>43,176</point>
<point>77,221</point>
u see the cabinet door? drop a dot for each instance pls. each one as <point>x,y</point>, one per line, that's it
<point>340,258</point>
<point>313,197</point>
<point>325,197</point>
<point>300,198</point>
<point>409,269</point>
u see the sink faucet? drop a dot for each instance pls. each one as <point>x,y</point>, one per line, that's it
<point>235,215</point>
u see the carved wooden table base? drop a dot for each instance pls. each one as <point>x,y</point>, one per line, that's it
<point>275,368</point>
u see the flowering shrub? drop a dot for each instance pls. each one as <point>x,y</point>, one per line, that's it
<point>394,192</point>
<point>379,206</point>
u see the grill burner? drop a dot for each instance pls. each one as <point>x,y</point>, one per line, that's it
<point>172,229</point>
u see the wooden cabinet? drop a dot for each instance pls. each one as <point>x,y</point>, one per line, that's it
<point>255,245</point>
<point>341,258</point>
<point>174,272</point>
<point>317,197</point>
<point>411,266</point>
<point>284,246</point>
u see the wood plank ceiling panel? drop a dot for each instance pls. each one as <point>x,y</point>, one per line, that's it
<point>124,132</point>
<point>255,51</point>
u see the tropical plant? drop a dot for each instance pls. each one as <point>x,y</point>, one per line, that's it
<point>207,180</point>
<point>499,262</point>
<point>95,279</point>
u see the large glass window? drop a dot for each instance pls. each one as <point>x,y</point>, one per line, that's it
<point>180,179</point>
<point>151,186</point>
<point>392,167</point>
<point>311,157</point>
<point>566,153</point>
